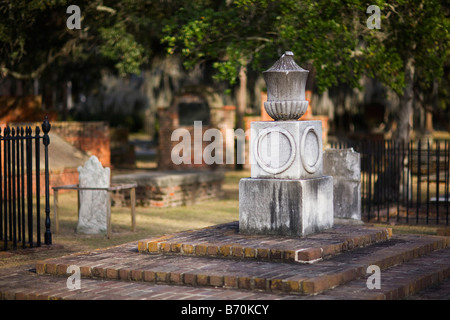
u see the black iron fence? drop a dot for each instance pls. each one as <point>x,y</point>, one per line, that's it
<point>407,183</point>
<point>20,186</point>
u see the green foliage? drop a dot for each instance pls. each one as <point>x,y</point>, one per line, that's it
<point>34,36</point>
<point>331,36</point>
<point>121,46</point>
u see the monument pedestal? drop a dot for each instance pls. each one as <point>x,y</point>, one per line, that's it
<point>287,193</point>
<point>285,207</point>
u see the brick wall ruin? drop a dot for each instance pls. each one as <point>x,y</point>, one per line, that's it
<point>170,189</point>
<point>193,104</point>
<point>91,138</point>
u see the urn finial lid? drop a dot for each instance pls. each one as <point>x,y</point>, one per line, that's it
<point>286,82</point>
<point>286,64</point>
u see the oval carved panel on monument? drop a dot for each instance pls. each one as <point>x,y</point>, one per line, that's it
<point>311,150</point>
<point>275,150</point>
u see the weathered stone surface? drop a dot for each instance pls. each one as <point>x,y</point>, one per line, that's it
<point>94,204</point>
<point>286,149</point>
<point>285,207</point>
<point>345,167</point>
<point>345,163</point>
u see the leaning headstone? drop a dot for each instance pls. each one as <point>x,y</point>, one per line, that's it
<point>94,204</point>
<point>287,193</point>
<point>344,165</point>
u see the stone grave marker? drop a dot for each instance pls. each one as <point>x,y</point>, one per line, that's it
<point>287,193</point>
<point>344,165</point>
<point>94,204</point>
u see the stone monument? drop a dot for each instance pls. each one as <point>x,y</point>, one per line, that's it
<point>345,167</point>
<point>94,206</point>
<point>287,193</point>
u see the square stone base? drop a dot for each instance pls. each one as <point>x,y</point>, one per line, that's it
<point>285,207</point>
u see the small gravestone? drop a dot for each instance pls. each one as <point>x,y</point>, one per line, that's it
<point>344,165</point>
<point>94,204</point>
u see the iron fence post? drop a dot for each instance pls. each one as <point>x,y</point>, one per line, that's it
<point>19,217</point>
<point>22,170</point>
<point>428,179</point>
<point>29,151</point>
<point>447,177</point>
<point>437,181</point>
<point>13,188</point>
<point>46,140</point>
<point>1,188</point>
<point>38,186</point>
<point>5,189</point>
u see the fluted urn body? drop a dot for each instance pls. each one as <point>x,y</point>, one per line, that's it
<point>286,82</point>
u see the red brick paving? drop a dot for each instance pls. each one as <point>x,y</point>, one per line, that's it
<point>409,265</point>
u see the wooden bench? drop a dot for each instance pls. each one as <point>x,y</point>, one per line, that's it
<point>131,186</point>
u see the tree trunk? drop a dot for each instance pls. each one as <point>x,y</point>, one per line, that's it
<point>431,105</point>
<point>404,127</point>
<point>428,121</point>
<point>242,97</point>
<point>387,186</point>
<point>241,105</point>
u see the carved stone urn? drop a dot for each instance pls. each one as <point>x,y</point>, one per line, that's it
<point>286,83</point>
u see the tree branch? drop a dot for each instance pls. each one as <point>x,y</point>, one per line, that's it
<point>106,9</point>
<point>258,39</point>
<point>64,51</point>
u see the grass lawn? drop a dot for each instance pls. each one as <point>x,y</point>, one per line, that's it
<point>149,222</point>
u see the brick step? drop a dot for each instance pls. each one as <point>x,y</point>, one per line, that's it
<point>23,284</point>
<point>226,241</point>
<point>402,281</point>
<point>438,291</point>
<point>125,263</point>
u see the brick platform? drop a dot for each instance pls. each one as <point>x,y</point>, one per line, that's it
<point>226,241</point>
<point>201,270</point>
